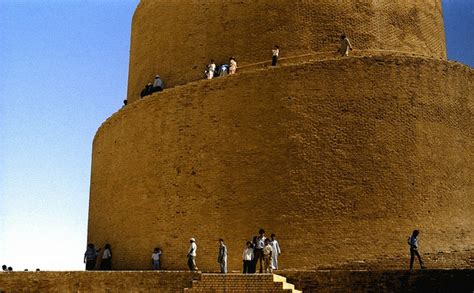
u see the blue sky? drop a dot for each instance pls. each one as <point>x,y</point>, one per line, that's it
<point>63,71</point>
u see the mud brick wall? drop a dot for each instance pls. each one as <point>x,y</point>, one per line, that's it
<point>174,282</point>
<point>177,38</point>
<point>341,159</point>
<point>99,282</point>
<point>383,281</point>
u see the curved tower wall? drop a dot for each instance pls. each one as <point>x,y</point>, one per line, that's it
<point>343,158</point>
<point>177,38</point>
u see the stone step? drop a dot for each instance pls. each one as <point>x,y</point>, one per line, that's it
<point>241,283</point>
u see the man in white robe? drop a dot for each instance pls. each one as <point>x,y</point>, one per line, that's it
<point>211,69</point>
<point>276,252</point>
<point>345,46</point>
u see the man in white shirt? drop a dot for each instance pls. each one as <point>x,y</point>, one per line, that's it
<point>155,259</point>
<point>106,262</point>
<point>276,251</point>
<point>247,257</point>
<point>192,255</point>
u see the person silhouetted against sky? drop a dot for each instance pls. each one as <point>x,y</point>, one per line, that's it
<point>156,258</point>
<point>106,261</point>
<point>4,268</point>
<point>192,255</point>
<point>275,54</point>
<point>222,256</point>
<point>10,269</point>
<point>413,242</point>
<point>247,258</point>
<point>345,46</point>
<point>90,257</point>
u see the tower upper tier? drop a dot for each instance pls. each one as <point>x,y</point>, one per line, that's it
<point>177,38</point>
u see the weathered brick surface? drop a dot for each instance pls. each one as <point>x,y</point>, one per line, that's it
<point>341,159</point>
<point>383,281</point>
<point>100,282</point>
<point>177,38</point>
<point>221,283</point>
<point>308,281</point>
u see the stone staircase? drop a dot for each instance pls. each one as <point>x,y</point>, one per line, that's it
<point>219,283</point>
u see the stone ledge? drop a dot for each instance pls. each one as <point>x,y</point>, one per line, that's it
<point>442,280</point>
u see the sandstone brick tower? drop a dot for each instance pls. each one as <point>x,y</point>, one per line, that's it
<point>340,157</point>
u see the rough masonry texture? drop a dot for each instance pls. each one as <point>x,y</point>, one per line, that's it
<point>177,38</point>
<point>340,157</point>
<point>175,282</point>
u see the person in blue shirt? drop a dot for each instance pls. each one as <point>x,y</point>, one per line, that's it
<point>90,257</point>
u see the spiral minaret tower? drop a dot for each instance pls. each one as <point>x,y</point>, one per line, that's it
<point>341,157</point>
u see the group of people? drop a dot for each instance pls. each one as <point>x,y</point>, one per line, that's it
<point>91,254</point>
<point>261,251</point>
<point>157,86</point>
<point>7,269</point>
<point>212,70</point>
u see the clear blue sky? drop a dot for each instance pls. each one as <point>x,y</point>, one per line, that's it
<point>63,71</point>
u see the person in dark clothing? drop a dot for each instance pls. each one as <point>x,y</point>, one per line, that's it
<point>90,257</point>
<point>258,251</point>
<point>275,54</point>
<point>4,268</point>
<point>253,263</point>
<point>148,90</point>
<point>125,102</point>
<point>413,242</point>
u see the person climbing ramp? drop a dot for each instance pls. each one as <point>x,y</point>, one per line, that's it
<point>345,46</point>
<point>233,65</point>
<point>211,69</point>
<point>275,54</point>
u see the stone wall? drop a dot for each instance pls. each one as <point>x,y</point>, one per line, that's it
<point>341,159</point>
<point>100,282</point>
<point>176,38</point>
<point>383,281</point>
<point>173,282</point>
